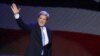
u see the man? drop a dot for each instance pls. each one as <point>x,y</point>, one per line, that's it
<point>40,36</point>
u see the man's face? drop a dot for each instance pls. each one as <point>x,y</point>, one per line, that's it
<point>42,20</point>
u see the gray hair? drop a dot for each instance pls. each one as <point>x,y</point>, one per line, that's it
<point>44,13</point>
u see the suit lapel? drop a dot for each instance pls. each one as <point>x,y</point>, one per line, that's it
<point>38,31</point>
<point>49,36</point>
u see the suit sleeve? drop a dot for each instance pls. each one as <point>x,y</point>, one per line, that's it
<point>50,44</point>
<point>22,25</point>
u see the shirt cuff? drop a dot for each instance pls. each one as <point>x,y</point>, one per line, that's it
<point>16,16</point>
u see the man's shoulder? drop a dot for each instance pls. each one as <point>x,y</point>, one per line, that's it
<point>48,29</point>
<point>33,24</point>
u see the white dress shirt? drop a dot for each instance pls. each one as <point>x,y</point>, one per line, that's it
<point>16,16</point>
<point>44,31</point>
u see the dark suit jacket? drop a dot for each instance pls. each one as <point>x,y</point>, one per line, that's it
<point>35,41</point>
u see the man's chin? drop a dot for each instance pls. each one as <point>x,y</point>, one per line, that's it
<point>41,25</point>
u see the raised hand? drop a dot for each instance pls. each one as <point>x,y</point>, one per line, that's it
<point>15,9</point>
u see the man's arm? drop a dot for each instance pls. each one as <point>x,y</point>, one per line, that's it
<point>20,22</point>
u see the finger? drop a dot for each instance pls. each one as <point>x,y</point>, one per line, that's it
<point>14,5</point>
<point>11,7</point>
<point>19,9</point>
